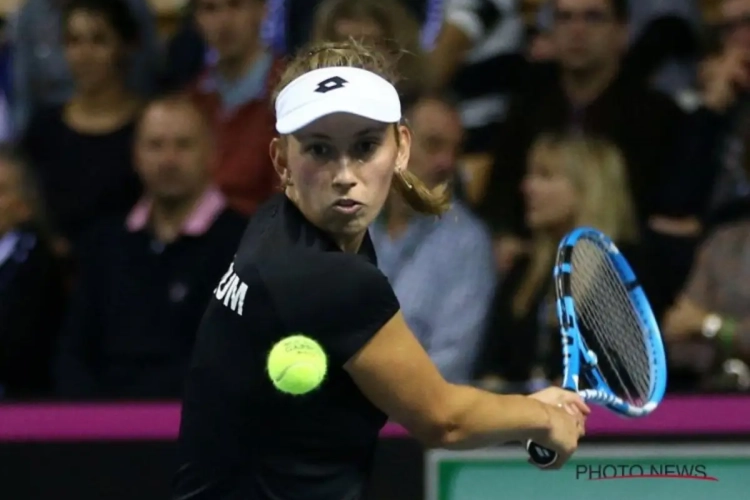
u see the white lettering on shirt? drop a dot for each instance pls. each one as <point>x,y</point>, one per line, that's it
<point>231,291</point>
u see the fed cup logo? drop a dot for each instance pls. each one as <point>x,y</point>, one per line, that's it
<point>333,83</point>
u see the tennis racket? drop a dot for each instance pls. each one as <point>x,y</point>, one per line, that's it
<point>612,349</point>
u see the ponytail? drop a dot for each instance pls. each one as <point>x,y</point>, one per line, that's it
<point>418,196</point>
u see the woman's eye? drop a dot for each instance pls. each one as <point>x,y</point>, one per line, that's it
<point>364,149</point>
<point>319,150</point>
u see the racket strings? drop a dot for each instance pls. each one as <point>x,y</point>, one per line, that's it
<point>609,323</point>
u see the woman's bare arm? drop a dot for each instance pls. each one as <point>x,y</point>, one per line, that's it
<point>395,373</point>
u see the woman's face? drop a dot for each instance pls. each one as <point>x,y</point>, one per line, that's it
<point>93,50</point>
<point>549,194</point>
<point>338,170</point>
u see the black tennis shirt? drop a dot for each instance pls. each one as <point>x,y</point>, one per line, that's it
<point>240,438</point>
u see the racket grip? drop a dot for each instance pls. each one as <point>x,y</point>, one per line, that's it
<point>539,455</point>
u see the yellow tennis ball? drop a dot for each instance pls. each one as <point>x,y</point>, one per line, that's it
<point>297,365</point>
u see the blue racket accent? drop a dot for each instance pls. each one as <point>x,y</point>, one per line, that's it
<point>600,267</point>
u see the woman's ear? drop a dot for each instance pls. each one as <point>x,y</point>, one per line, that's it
<point>404,148</point>
<point>277,150</point>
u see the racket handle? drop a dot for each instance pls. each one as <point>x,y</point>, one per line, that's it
<point>539,455</point>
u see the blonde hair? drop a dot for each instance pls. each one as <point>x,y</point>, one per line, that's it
<point>356,54</point>
<point>400,34</point>
<point>597,171</point>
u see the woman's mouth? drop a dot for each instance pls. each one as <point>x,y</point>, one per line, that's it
<point>347,206</point>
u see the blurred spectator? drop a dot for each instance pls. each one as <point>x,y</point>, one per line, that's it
<point>41,73</point>
<point>715,156</point>
<point>385,22</point>
<point>235,96</point>
<point>584,91</point>
<point>31,286</point>
<point>146,279</point>
<point>186,53</point>
<point>478,55</point>
<point>664,35</point>
<point>441,269</point>
<point>82,149</point>
<point>710,323</point>
<point>570,181</point>
<point>290,23</point>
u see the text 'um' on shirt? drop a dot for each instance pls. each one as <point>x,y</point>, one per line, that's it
<point>232,291</point>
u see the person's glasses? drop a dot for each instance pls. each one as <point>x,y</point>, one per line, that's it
<point>590,16</point>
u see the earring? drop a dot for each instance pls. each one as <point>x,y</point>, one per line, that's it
<point>400,173</point>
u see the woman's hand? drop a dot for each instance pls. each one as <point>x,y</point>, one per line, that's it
<point>569,400</point>
<point>567,412</point>
<point>562,435</point>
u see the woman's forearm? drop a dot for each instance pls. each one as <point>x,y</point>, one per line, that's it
<point>479,418</point>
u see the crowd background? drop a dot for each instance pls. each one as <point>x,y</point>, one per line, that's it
<point>135,145</point>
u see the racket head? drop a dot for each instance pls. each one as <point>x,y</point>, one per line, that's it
<point>606,319</point>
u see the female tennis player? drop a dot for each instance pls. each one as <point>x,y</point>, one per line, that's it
<point>306,265</point>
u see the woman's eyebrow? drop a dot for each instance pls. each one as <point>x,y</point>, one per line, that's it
<point>321,136</point>
<point>371,130</point>
<point>312,135</point>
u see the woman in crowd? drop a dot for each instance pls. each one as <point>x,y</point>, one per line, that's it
<point>81,150</point>
<point>570,181</point>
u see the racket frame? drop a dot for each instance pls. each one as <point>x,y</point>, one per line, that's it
<point>578,359</point>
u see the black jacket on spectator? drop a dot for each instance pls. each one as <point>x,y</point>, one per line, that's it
<point>701,161</point>
<point>83,176</point>
<point>515,345</point>
<point>32,300</point>
<point>641,122</point>
<point>137,307</point>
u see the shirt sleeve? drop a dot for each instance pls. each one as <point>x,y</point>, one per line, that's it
<point>340,300</point>
<point>460,315</point>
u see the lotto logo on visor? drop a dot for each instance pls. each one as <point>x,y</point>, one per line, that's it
<point>336,90</point>
<point>333,83</point>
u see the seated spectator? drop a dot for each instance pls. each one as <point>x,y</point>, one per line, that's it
<point>186,53</point>
<point>234,93</point>
<point>479,56</point>
<point>81,150</point>
<point>145,279</point>
<point>584,90</point>
<point>31,286</point>
<point>710,322</point>
<point>442,269</point>
<point>714,154</point>
<point>671,29</point>
<point>41,72</point>
<point>290,23</point>
<point>384,22</point>
<point>570,181</point>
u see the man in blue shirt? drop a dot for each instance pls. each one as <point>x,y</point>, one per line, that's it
<point>441,269</point>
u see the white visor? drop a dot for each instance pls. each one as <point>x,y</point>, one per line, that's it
<point>322,92</point>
